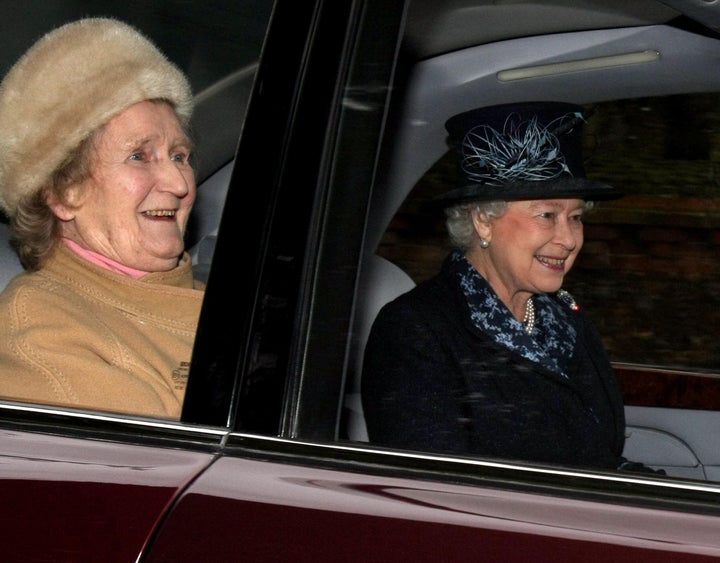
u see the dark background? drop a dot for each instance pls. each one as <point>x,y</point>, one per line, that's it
<point>206,38</point>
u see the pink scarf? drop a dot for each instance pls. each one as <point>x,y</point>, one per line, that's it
<point>104,261</point>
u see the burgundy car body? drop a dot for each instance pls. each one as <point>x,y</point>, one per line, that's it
<point>347,516</point>
<point>72,499</point>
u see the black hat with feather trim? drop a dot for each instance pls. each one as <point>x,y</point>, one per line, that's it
<point>521,151</point>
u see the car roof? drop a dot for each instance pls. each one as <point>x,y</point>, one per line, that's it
<point>435,27</point>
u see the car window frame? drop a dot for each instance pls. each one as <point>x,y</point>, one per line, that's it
<point>214,103</point>
<point>301,121</point>
<point>305,437</point>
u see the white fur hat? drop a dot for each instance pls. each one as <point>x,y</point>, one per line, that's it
<point>67,85</point>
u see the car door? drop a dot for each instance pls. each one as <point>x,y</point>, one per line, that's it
<point>87,487</point>
<point>288,482</point>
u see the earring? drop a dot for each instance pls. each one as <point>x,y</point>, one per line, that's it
<point>484,243</point>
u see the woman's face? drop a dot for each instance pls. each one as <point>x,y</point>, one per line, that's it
<point>135,206</point>
<point>533,245</point>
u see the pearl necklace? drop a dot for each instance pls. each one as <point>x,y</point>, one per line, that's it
<point>529,319</point>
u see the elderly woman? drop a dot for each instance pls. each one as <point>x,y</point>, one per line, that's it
<point>97,182</point>
<point>492,357</point>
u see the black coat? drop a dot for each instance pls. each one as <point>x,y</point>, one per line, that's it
<point>433,381</point>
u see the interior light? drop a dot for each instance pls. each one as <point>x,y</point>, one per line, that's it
<point>574,66</point>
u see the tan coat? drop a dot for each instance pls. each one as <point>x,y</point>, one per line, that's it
<point>79,335</point>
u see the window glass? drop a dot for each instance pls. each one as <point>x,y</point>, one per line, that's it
<point>216,44</point>
<point>649,269</point>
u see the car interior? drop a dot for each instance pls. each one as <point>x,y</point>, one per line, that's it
<point>650,52</point>
<point>585,52</point>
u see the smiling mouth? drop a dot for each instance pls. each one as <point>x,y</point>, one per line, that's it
<point>159,213</point>
<point>552,262</point>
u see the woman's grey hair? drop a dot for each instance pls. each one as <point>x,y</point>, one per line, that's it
<point>459,222</point>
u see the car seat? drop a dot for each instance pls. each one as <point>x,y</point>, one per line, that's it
<point>381,281</point>
<point>9,262</point>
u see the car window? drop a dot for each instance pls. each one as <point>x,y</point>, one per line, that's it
<point>660,269</point>
<point>217,45</point>
<point>647,272</point>
<point>656,247</point>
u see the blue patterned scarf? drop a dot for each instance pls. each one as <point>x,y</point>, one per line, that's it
<point>553,339</point>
